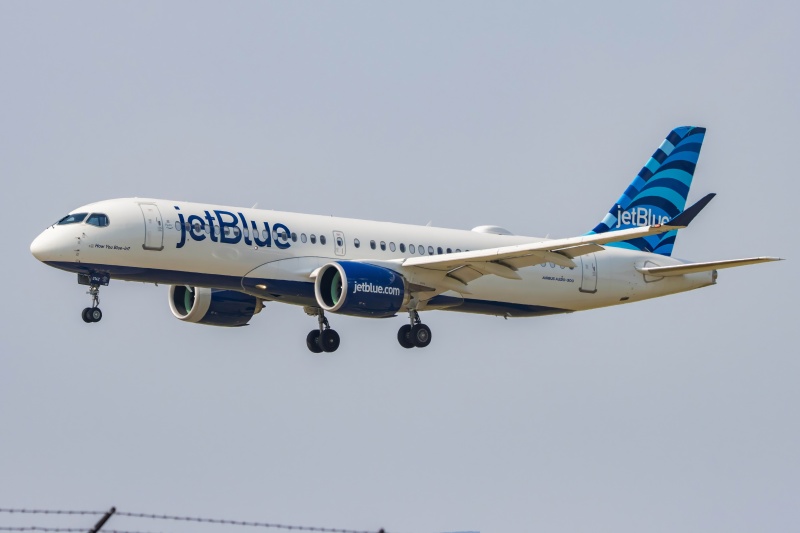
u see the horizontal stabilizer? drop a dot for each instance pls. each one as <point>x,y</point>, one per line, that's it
<point>692,268</point>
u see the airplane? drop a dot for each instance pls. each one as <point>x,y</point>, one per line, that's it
<point>224,263</point>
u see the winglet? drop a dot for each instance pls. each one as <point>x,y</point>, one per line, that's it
<point>685,218</point>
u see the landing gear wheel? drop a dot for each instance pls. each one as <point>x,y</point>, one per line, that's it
<point>404,336</point>
<point>329,340</point>
<point>312,341</point>
<point>95,314</point>
<point>86,316</point>
<point>421,335</point>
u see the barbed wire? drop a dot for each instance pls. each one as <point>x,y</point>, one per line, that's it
<point>150,516</point>
<point>61,529</point>
<point>42,528</point>
<point>50,511</point>
<point>243,523</point>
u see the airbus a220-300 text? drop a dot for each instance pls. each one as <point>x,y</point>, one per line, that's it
<point>224,263</point>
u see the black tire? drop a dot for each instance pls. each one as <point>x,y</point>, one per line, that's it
<point>95,314</point>
<point>421,335</point>
<point>85,315</point>
<point>312,341</point>
<point>404,336</point>
<point>329,340</point>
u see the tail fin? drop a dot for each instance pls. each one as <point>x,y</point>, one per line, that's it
<point>658,193</point>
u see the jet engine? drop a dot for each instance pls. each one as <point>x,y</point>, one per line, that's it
<point>360,289</point>
<point>212,307</point>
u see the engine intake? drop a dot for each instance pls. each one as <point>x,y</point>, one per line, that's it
<point>212,307</point>
<point>359,289</point>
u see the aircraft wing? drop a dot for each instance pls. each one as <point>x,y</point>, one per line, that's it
<point>506,260</point>
<point>464,267</point>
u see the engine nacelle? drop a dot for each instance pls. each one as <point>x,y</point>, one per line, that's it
<point>359,289</point>
<point>212,307</point>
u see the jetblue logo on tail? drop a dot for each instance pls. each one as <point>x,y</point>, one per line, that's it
<point>639,216</point>
<point>658,192</point>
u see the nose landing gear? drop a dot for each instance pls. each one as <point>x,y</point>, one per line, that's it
<point>416,334</point>
<point>93,313</point>
<point>94,281</point>
<point>323,339</point>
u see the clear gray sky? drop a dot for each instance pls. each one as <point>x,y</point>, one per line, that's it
<point>678,414</point>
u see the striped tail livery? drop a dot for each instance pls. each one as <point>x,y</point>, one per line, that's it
<point>658,193</point>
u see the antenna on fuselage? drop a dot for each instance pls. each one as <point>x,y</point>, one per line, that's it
<point>254,205</point>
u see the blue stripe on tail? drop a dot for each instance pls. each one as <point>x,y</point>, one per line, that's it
<point>658,193</point>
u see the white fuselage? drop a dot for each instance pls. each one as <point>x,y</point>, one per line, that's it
<point>269,254</point>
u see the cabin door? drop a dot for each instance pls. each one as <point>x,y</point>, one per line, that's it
<point>588,273</point>
<point>153,227</point>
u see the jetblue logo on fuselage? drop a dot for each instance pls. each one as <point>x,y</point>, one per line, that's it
<point>639,216</point>
<point>229,228</point>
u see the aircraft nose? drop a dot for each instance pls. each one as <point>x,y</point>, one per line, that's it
<point>43,247</point>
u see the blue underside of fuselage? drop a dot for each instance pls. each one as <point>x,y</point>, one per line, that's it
<point>293,292</point>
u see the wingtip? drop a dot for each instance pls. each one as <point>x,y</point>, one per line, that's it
<point>683,219</point>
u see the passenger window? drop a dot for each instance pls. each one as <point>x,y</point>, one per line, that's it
<point>458,250</point>
<point>449,250</point>
<point>356,243</point>
<point>439,250</point>
<point>383,245</point>
<point>412,248</point>
<point>421,250</point>
<point>372,244</point>
<point>294,236</point>
<point>246,233</point>
<point>313,239</point>
<point>71,219</point>
<point>402,247</point>
<point>303,237</point>
<point>97,219</point>
<point>264,234</point>
<point>322,239</point>
<point>430,250</point>
<point>392,246</point>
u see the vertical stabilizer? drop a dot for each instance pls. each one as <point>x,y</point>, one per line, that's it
<point>658,193</point>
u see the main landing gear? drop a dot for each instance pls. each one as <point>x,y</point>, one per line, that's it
<point>416,334</point>
<point>323,339</point>
<point>93,313</point>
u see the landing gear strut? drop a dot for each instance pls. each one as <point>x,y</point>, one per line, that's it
<point>415,334</point>
<point>323,339</point>
<point>93,313</point>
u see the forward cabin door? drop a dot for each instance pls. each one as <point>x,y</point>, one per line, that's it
<point>588,273</point>
<point>153,227</point>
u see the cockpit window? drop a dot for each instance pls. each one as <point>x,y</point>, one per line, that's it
<point>72,219</point>
<point>97,219</point>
